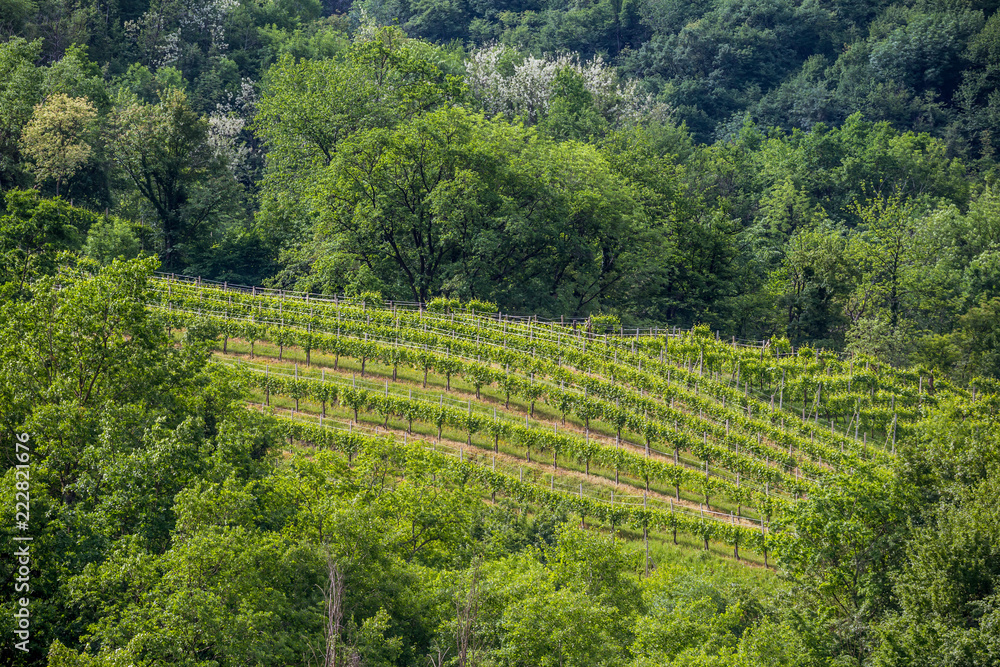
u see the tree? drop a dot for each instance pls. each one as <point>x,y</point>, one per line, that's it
<point>572,114</point>
<point>840,547</point>
<point>947,589</point>
<point>310,106</point>
<point>979,326</point>
<point>57,138</point>
<point>816,279</point>
<point>20,91</point>
<point>487,208</point>
<point>540,623</point>
<point>163,149</point>
<point>886,259</point>
<point>112,238</point>
<point>34,231</point>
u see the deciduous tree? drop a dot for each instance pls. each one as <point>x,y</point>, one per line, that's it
<point>58,137</point>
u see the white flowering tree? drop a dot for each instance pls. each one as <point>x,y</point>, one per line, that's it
<point>228,131</point>
<point>507,83</point>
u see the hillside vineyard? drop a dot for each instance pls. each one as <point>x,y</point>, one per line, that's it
<point>674,431</point>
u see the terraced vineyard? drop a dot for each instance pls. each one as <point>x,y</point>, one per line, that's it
<point>659,433</point>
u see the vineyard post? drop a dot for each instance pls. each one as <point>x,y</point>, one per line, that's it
<point>612,514</point>
<point>763,541</point>
<point>739,503</point>
<point>705,534</point>
<point>707,483</point>
<point>673,520</point>
<point>736,537</point>
<point>894,430</point>
<point>781,393</point>
<point>819,397</point>
<point>225,337</point>
<point>555,450</point>
<point>645,531</point>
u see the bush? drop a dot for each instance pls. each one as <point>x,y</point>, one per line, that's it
<point>602,323</point>
<point>443,304</point>
<point>477,306</point>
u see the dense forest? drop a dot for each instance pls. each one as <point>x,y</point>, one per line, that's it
<point>821,170</point>
<point>815,179</point>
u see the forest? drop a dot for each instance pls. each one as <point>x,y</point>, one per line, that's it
<point>512,333</point>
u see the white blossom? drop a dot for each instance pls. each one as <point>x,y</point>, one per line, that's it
<point>170,50</point>
<point>226,127</point>
<point>224,130</point>
<point>527,91</point>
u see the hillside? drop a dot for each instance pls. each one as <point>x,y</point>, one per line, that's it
<point>205,469</point>
<point>522,333</point>
<point>669,430</point>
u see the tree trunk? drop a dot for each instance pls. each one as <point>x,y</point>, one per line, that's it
<point>334,598</point>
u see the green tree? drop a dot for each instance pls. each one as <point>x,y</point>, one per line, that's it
<point>539,623</point>
<point>163,150</point>
<point>309,107</point>
<point>841,546</point>
<point>571,113</point>
<point>979,327</point>
<point>816,279</point>
<point>947,588</point>
<point>112,238</point>
<point>480,205</point>
<point>34,231</point>
<point>20,91</point>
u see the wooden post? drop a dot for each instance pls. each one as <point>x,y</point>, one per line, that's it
<point>673,521</point>
<point>781,394</point>
<point>645,532</point>
<point>764,541</point>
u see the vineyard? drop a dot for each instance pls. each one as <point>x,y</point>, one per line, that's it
<point>677,434</point>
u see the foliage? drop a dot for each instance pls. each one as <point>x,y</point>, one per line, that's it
<point>805,189</point>
<point>163,150</point>
<point>56,138</point>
